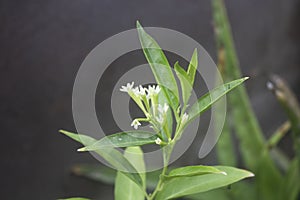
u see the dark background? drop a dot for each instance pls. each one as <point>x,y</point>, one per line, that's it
<point>44,42</point>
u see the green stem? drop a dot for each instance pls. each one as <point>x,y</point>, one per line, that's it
<point>278,135</point>
<point>143,119</point>
<point>289,102</point>
<point>159,184</point>
<point>167,151</point>
<point>146,194</point>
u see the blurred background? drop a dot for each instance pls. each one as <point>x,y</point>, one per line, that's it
<point>43,44</point>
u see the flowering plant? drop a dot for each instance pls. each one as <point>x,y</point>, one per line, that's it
<point>161,107</point>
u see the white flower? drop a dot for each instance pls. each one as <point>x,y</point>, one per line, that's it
<point>157,89</point>
<point>158,141</point>
<point>127,88</point>
<point>184,118</point>
<point>152,90</point>
<point>163,109</point>
<point>139,91</point>
<point>135,124</point>
<point>136,91</point>
<point>142,91</point>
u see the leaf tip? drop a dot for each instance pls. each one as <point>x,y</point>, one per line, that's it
<point>138,24</point>
<point>62,131</point>
<point>246,78</point>
<point>251,174</point>
<point>82,149</point>
<point>176,64</point>
<point>224,173</point>
<point>195,51</point>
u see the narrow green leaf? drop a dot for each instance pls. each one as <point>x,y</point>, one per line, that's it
<point>125,188</point>
<point>174,104</point>
<point>124,139</point>
<point>193,171</point>
<point>111,155</point>
<point>159,65</point>
<point>280,158</point>
<point>225,147</point>
<point>218,194</point>
<point>245,123</point>
<point>268,178</point>
<point>107,175</point>
<point>185,82</point>
<point>83,139</point>
<point>238,191</point>
<point>192,69</point>
<point>94,172</point>
<point>152,178</point>
<point>163,74</point>
<point>206,101</point>
<point>290,186</point>
<point>278,135</point>
<point>182,186</point>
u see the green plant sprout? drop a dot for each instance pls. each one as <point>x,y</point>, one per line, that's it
<point>161,108</point>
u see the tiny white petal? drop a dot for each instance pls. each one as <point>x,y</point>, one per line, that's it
<point>135,124</point>
<point>166,107</point>
<point>157,89</point>
<point>163,109</point>
<point>142,90</point>
<point>224,173</point>
<point>136,91</point>
<point>158,141</point>
<point>127,87</point>
<point>184,118</point>
<point>152,90</point>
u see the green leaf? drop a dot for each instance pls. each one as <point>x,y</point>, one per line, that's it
<point>94,172</point>
<point>245,123</point>
<point>241,190</point>
<point>111,155</point>
<point>192,69</point>
<point>169,116</point>
<point>225,147</point>
<point>182,186</point>
<point>75,198</point>
<point>206,101</point>
<point>268,178</point>
<point>125,188</point>
<point>152,178</point>
<point>159,66</point>
<point>290,186</point>
<point>107,175</point>
<point>124,139</point>
<point>193,171</point>
<point>218,194</point>
<point>186,85</point>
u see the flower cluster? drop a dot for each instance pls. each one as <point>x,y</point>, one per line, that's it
<point>156,114</point>
<point>147,99</point>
